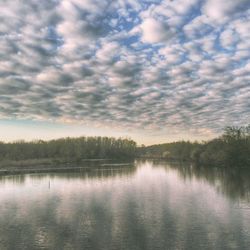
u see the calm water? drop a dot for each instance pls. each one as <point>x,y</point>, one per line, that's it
<point>151,206</point>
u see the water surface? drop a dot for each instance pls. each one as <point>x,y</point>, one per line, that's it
<point>153,205</point>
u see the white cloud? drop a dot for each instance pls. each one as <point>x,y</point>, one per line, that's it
<point>220,10</point>
<point>228,38</point>
<point>107,52</point>
<point>154,31</point>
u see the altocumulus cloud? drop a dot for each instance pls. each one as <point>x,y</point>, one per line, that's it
<point>171,65</point>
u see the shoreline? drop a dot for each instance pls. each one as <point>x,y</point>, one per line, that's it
<point>63,166</point>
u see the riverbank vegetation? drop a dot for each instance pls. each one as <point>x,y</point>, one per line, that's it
<point>67,150</point>
<point>232,148</point>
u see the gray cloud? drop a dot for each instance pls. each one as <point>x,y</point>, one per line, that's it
<point>170,66</point>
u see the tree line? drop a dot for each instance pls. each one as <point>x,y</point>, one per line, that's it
<point>69,148</point>
<point>232,148</point>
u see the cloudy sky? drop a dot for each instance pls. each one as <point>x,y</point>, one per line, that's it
<point>152,70</point>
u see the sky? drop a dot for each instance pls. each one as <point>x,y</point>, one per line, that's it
<point>152,70</point>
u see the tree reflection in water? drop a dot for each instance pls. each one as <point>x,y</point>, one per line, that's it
<point>154,205</point>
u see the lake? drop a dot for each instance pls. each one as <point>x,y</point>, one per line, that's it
<point>152,205</point>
